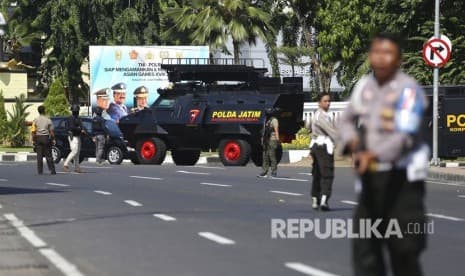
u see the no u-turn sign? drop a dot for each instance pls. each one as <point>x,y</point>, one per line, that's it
<point>437,51</point>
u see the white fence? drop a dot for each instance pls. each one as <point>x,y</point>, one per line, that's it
<point>335,110</point>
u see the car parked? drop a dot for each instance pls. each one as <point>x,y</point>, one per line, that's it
<point>115,146</point>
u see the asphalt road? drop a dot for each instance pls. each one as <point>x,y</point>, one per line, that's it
<point>202,220</point>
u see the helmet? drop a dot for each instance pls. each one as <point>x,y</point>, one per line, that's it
<point>75,108</point>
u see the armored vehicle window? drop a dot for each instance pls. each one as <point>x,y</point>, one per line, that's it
<point>166,103</point>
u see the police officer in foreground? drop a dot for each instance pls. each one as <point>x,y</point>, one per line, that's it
<point>270,143</point>
<point>141,95</point>
<point>322,149</point>
<point>99,132</point>
<point>75,130</point>
<point>381,127</point>
<point>43,136</point>
<point>118,108</point>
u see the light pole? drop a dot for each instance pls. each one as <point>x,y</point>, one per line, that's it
<point>2,33</point>
<point>435,160</point>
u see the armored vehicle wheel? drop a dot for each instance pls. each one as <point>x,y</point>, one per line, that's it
<point>56,154</point>
<point>234,152</point>
<point>115,155</point>
<point>134,159</point>
<point>151,151</point>
<point>185,157</point>
<point>257,155</point>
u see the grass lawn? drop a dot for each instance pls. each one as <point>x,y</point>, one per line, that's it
<point>9,149</point>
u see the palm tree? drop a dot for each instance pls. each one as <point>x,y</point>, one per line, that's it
<point>212,22</point>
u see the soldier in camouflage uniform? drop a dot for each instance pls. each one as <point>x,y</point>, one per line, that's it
<point>270,143</point>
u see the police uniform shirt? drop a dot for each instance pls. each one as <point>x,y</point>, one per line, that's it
<point>43,125</point>
<point>322,126</point>
<point>391,115</point>
<point>117,111</point>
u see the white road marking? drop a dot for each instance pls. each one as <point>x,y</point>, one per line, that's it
<point>350,202</point>
<point>61,263</point>
<point>444,183</point>
<point>286,193</point>
<point>103,192</point>
<point>146,177</point>
<point>462,196</point>
<point>95,167</point>
<point>133,203</point>
<point>444,217</point>
<point>57,184</point>
<point>216,238</point>
<point>209,167</point>
<point>164,217</point>
<point>3,179</point>
<point>27,233</point>
<point>199,173</point>
<point>214,184</point>
<point>307,270</point>
<point>306,174</point>
<point>289,179</point>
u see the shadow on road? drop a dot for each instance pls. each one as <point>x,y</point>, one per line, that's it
<point>15,190</point>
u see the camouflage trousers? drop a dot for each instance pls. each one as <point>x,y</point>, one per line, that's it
<point>269,156</point>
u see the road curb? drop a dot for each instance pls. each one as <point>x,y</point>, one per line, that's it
<point>447,177</point>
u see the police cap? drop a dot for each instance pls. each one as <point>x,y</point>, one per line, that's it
<point>102,93</point>
<point>141,92</point>
<point>119,87</point>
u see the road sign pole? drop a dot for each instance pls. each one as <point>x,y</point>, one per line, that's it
<point>435,160</point>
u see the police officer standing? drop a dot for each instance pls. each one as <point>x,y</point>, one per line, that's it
<point>322,148</point>
<point>381,127</point>
<point>44,137</point>
<point>98,129</point>
<point>141,95</point>
<point>270,143</point>
<point>75,129</point>
<point>117,108</point>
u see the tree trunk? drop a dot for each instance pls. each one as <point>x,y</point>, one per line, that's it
<point>273,57</point>
<point>236,51</point>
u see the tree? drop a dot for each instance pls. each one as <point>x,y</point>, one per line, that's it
<point>16,125</point>
<point>213,22</point>
<point>3,118</point>
<point>56,103</point>
<point>293,56</point>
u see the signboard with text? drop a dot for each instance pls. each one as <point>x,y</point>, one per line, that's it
<point>128,68</point>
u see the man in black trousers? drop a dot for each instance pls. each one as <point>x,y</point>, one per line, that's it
<point>44,137</point>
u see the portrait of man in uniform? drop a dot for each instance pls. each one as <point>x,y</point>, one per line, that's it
<point>102,102</point>
<point>117,108</point>
<point>141,95</point>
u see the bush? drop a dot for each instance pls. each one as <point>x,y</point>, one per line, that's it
<point>301,141</point>
<point>56,103</point>
<point>16,129</point>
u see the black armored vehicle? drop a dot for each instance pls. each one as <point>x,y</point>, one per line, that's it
<point>213,104</point>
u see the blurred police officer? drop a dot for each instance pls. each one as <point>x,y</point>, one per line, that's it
<point>381,126</point>
<point>99,132</point>
<point>44,137</point>
<point>141,95</point>
<point>75,130</point>
<point>322,148</point>
<point>270,143</point>
<point>117,108</point>
<point>102,97</point>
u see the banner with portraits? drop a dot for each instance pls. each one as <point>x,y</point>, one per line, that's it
<point>126,78</point>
